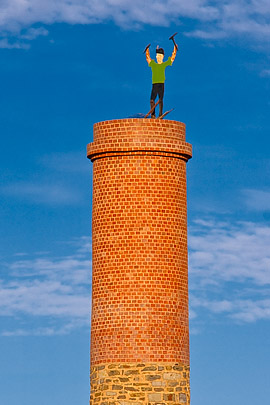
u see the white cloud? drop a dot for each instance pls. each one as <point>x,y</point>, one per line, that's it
<point>33,33</point>
<point>52,186</point>
<point>239,310</point>
<point>251,311</point>
<point>39,193</point>
<point>70,162</point>
<point>46,331</point>
<point>55,291</point>
<point>258,200</point>
<point>229,267</point>
<point>230,252</point>
<point>207,34</point>
<point>16,13</point>
<point>211,19</point>
<point>21,40</point>
<point>265,73</point>
<point>5,43</point>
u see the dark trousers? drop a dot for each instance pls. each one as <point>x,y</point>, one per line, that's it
<point>157,90</point>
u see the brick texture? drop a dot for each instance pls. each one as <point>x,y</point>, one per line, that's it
<point>139,230</point>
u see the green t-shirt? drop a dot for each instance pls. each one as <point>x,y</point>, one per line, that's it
<point>158,70</point>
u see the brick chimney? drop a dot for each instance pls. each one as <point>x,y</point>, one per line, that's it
<point>140,328</point>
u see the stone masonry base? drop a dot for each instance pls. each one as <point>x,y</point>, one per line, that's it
<point>140,383</point>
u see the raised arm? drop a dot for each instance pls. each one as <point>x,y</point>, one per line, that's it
<point>147,55</point>
<point>174,53</point>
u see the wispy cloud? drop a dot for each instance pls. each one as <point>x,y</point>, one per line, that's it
<point>46,331</point>
<point>230,252</point>
<point>258,200</point>
<point>55,291</point>
<point>33,33</point>
<point>265,73</point>
<point>22,38</point>
<point>229,266</point>
<point>41,193</point>
<point>69,162</point>
<point>230,269</point>
<point>209,19</point>
<point>7,44</point>
<point>238,310</point>
<point>49,183</point>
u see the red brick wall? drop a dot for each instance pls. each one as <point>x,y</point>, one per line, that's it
<point>140,272</point>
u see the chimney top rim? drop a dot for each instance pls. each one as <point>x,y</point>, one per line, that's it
<point>142,120</point>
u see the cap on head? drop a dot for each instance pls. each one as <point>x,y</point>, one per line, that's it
<point>160,50</point>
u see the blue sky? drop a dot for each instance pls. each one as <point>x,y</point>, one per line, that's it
<point>65,65</point>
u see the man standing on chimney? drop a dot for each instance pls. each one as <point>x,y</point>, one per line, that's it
<point>158,76</point>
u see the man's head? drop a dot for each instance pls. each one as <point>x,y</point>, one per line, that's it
<point>159,55</point>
